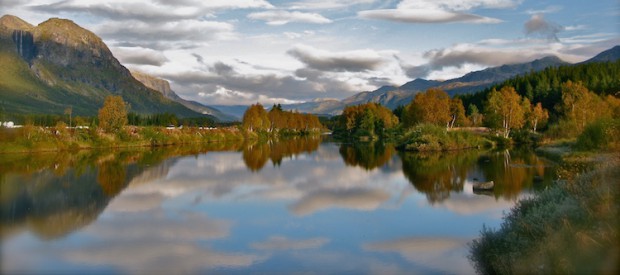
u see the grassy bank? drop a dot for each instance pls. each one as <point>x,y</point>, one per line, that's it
<point>426,138</point>
<point>571,227</point>
<point>37,139</point>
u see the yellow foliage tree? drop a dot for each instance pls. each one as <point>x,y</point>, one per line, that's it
<point>432,106</point>
<point>113,114</point>
<point>505,110</point>
<point>580,106</point>
<point>538,116</point>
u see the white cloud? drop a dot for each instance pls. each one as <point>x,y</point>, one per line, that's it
<point>425,16</point>
<point>176,32</point>
<point>281,17</point>
<point>441,11</point>
<point>327,4</point>
<point>284,243</point>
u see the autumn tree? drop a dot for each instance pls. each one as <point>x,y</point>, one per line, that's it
<point>474,115</point>
<point>580,106</point>
<point>538,116</point>
<point>366,119</point>
<point>113,114</point>
<point>504,110</point>
<point>457,113</point>
<point>255,118</point>
<point>432,106</point>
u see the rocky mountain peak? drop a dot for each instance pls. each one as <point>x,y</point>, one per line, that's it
<point>155,83</point>
<point>10,23</point>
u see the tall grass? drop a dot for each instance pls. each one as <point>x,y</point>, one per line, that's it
<point>572,227</point>
<point>427,137</point>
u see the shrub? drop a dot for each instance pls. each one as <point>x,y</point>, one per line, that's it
<point>601,134</point>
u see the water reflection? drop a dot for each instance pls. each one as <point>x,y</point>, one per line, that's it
<point>320,207</point>
<point>256,153</point>
<point>369,155</point>
<point>54,194</point>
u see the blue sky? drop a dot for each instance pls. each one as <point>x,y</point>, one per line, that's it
<point>246,51</point>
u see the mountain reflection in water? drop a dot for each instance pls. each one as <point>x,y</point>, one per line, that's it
<point>220,207</point>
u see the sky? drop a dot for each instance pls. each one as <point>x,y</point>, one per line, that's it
<point>232,52</point>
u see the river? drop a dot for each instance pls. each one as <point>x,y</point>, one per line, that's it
<point>299,205</point>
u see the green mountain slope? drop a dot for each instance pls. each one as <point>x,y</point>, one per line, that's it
<point>58,64</point>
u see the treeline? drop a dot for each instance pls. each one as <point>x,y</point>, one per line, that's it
<point>257,119</point>
<point>369,120</point>
<point>164,119</point>
<point>545,87</point>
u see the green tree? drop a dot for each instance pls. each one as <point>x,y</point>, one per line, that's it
<point>113,114</point>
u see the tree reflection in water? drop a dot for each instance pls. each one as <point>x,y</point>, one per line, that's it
<point>54,194</point>
<point>256,153</point>
<point>369,155</point>
<point>438,174</point>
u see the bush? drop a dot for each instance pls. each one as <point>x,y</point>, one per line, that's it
<point>568,228</point>
<point>599,135</point>
<point>427,137</point>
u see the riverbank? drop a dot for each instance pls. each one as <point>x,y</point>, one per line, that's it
<point>44,139</point>
<point>430,138</point>
<point>571,227</point>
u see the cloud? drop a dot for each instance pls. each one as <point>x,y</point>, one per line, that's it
<point>354,198</point>
<point>327,4</point>
<point>177,32</point>
<point>139,56</point>
<point>425,16</point>
<point>466,54</point>
<point>222,83</point>
<point>431,253</point>
<point>351,61</point>
<point>283,243</point>
<point>549,9</point>
<point>148,11</point>
<point>441,11</point>
<point>281,17</point>
<point>537,25</point>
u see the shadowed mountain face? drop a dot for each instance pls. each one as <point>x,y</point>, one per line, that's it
<point>58,64</point>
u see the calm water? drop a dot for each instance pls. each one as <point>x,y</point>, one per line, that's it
<point>297,206</point>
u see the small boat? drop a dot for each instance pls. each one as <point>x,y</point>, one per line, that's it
<point>483,186</point>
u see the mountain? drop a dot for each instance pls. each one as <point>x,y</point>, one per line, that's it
<point>612,54</point>
<point>392,96</point>
<point>58,64</point>
<point>163,86</point>
<point>235,111</point>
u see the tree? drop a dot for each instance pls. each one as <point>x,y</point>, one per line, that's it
<point>432,106</point>
<point>113,114</point>
<point>538,116</point>
<point>255,118</point>
<point>366,119</point>
<point>474,115</point>
<point>504,110</point>
<point>580,106</point>
<point>457,113</point>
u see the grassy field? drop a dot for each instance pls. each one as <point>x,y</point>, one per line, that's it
<point>37,139</point>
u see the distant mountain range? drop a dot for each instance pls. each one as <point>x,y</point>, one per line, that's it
<point>392,97</point>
